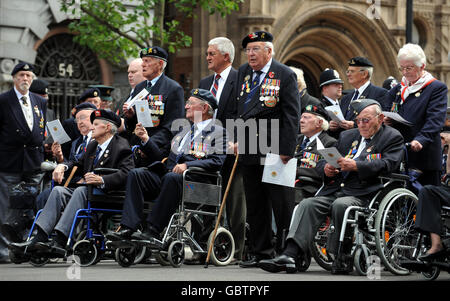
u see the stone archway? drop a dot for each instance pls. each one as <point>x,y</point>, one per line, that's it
<point>327,36</point>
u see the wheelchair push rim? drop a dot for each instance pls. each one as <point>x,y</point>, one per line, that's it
<point>223,250</point>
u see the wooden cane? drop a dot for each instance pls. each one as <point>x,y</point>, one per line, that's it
<point>74,169</point>
<point>221,209</point>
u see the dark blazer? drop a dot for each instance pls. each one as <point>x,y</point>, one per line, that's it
<point>227,105</point>
<point>21,150</point>
<point>387,142</point>
<point>426,110</point>
<point>308,170</point>
<point>371,92</point>
<point>306,99</point>
<point>117,155</point>
<point>173,99</point>
<point>285,111</point>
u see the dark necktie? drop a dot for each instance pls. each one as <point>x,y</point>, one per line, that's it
<point>149,86</point>
<point>304,143</point>
<point>181,153</point>
<point>97,155</point>
<point>215,87</point>
<point>82,148</point>
<point>367,141</point>
<point>349,109</point>
<point>24,100</point>
<point>253,87</point>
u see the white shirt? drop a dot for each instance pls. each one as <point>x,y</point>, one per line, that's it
<point>199,126</point>
<point>362,88</point>
<point>89,137</point>
<point>104,146</point>
<point>223,78</point>
<point>264,71</point>
<point>334,102</point>
<point>362,146</point>
<point>27,110</point>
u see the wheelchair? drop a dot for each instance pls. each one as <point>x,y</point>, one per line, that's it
<point>430,270</point>
<point>198,198</point>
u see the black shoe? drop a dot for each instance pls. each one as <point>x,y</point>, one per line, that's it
<point>433,256</point>
<point>342,266</point>
<point>50,247</point>
<point>23,247</point>
<point>123,234</point>
<point>279,264</point>
<point>147,234</point>
<point>253,262</point>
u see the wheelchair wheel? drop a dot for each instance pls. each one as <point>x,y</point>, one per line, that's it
<point>141,254</point>
<point>125,256</point>
<point>85,253</point>
<point>319,246</point>
<point>223,249</point>
<point>161,258</point>
<point>395,236</point>
<point>175,254</point>
<point>432,274</point>
<point>303,262</point>
<point>37,260</point>
<point>360,261</point>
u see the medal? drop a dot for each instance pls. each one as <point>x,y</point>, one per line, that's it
<point>417,94</point>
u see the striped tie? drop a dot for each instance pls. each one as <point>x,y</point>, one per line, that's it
<point>215,87</point>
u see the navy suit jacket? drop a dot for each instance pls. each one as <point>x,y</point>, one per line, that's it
<point>21,150</point>
<point>371,92</point>
<point>387,143</point>
<point>227,104</point>
<point>173,99</point>
<point>426,110</point>
<point>286,111</point>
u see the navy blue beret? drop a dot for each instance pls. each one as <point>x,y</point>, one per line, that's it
<point>84,106</point>
<point>39,86</point>
<point>89,93</point>
<point>154,51</point>
<point>205,95</point>
<point>359,61</point>
<point>22,66</point>
<point>258,36</point>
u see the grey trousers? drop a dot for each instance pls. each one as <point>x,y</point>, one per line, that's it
<point>311,212</point>
<point>60,209</point>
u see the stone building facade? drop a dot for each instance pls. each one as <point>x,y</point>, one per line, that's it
<point>310,34</point>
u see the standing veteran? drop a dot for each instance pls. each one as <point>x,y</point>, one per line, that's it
<point>203,145</point>
<point>268,106</point>
<point>313,127</point>
<point>22,128</point>
<point>421,100</point>
<point>370,150</point>
<point>107,151</point>
<point>165,99</point>
<point>359,72</point>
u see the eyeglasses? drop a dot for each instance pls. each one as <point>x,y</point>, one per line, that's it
<point>81,118</point>
<point>192,103</point>
<point>254,49</point>
<point>407,69</point>
<point>365,120</point>
<point>353,71</point>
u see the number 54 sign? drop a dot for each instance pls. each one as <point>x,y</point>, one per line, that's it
<point>65,70</point>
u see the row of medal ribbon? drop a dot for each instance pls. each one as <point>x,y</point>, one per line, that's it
<point>156,104</point>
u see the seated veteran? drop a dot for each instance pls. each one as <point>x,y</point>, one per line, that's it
<point>428,216</point>
<point>204,145</point>
<point>108,150</point>
<point>313,126</point>
<point>368,151</point>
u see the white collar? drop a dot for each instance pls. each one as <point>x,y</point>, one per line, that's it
<point>19,95</point>
<point>363,87</point>
<point>224,74</point>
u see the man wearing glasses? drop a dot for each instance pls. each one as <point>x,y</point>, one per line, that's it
<point>359,73</point>
<point>368,151</point>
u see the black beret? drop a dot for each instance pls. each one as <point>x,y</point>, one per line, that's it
<point>258,36</point>
<point>89,93</point>
<point>154,51</point>
<point>106,115</point>
<point>317,110</point>
<point>22,66</point>
<point>84,106</point>
<point>360,61</point>
<point>329,76</point>
<point>105,91</point>
<point>39,86</point>
<point>205,95</point>
<point>362,103</point>
<point>390,83</point>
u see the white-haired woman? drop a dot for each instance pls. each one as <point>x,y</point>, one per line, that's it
<point>422,100</point>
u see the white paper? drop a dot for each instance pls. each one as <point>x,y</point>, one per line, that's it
<point>140,96</point>
<point>335,113</point>
<point>319,143</point>
<point>275,172</point>
<point>331,154</point>
<point>396,117</point>
<point>143,113</point>
<point>57,131</point>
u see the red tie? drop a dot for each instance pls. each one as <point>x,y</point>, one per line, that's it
<point>215,87</point>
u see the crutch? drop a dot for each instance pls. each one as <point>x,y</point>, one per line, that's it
<point>221,209</point>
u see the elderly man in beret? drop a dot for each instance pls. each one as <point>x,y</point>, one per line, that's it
<point>165,98</point>
<point>22,128</point>
<point>202,144</point>
<point>369,151</point>
<point>359,73</point>
<point>107,150</point>
<point>267,96</point>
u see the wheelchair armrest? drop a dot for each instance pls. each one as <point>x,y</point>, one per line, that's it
<point>105,171</point>
<point>305,179</point>
<point>198,169</point>
<point>399,176</point>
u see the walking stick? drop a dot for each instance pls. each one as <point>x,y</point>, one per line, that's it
<point>221,209</point>
<point>74,169</point>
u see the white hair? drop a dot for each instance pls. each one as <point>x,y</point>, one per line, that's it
<point>301,84</point>
<point>224,45</point>
<point>114,128</point>
<point>369,71</point>
<point>270,45</point>
<point>412,52</point>
<point>325,124</point>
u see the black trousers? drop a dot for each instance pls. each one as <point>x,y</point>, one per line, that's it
<point>431,200</point>
<point>262,199</point>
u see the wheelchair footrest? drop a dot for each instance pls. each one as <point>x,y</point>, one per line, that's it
<point>120,244</point>
<point>415,265</point>
<point>153,244</point>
